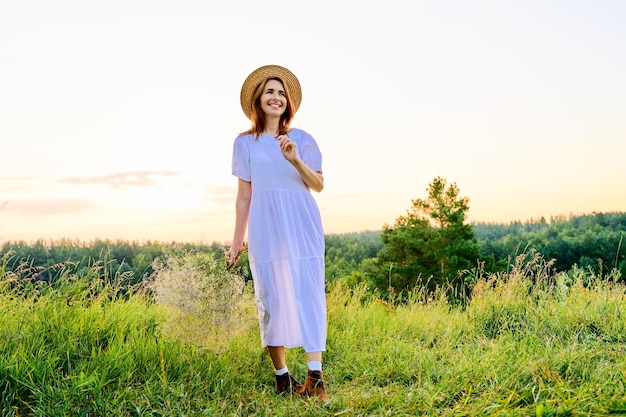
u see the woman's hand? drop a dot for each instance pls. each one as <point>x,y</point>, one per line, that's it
<point>234,254</point>
<point>288,148</point>
<point>313,180</point>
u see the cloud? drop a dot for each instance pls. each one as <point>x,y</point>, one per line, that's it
<point>220,194</point>
<point>11,184</point>
<point>218,189</point>
<point>124,179</point>
<point>48,207</point>
<point>11,179</point>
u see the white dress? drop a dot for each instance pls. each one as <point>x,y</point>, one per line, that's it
<point>285,241</point>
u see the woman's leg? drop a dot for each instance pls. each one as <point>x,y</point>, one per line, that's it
<point>277,354</point>
<point>314,385</point>
<point>285,382</point>
<point>314,357</point>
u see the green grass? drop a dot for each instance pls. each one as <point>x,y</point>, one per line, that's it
<point>521,347</point>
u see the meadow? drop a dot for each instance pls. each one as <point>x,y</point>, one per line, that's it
<point>186,343</point>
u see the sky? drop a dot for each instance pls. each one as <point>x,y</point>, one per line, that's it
<point>117,118</point>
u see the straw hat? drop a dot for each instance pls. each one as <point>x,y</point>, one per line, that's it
<point>263,73</point>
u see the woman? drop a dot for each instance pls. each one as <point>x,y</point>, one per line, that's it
<point>277,166</point>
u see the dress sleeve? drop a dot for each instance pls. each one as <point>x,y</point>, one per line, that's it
<point>241,159</point>
<point>310,153</point>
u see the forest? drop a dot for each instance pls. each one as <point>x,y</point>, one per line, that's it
<point>590,242</point>
<point>587,241</point>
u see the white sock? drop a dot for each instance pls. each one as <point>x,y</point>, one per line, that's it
<point>280,372</point>
<point>315,366</point>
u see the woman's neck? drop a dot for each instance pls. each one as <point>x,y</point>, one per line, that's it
<point>271,128</point>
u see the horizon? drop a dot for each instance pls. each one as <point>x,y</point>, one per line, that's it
<point>80,242</point>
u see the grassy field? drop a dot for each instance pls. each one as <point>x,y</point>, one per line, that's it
<point>527,344</point>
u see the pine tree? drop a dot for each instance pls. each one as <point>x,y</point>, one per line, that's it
<point>429,246</point>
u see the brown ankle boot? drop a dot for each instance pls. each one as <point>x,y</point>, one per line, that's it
<point>314,386</point>
<point>287,384</point>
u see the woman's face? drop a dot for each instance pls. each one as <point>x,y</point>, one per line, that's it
<point>273,99</point>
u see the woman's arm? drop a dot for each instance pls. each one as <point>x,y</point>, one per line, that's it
<point>242,209</point>
<point>314,180</point>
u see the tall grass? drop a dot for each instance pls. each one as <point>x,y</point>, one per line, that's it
<point>529,343</point>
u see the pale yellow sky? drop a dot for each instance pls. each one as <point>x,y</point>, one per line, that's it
<point>117,118</point>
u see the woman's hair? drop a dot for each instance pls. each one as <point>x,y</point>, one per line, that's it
<point>257,116</point>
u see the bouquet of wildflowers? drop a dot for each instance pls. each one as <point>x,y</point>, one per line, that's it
<point>204,299</point>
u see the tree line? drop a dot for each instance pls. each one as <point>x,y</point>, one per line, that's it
<point>592,242</point>
<point>432,246</point>
<point>119,261</point>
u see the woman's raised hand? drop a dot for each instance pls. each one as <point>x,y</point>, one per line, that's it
<point>287,147</point>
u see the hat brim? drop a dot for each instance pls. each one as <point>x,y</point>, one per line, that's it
<point>263,73</point>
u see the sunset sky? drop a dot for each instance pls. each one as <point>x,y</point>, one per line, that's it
<point>117,118</point>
